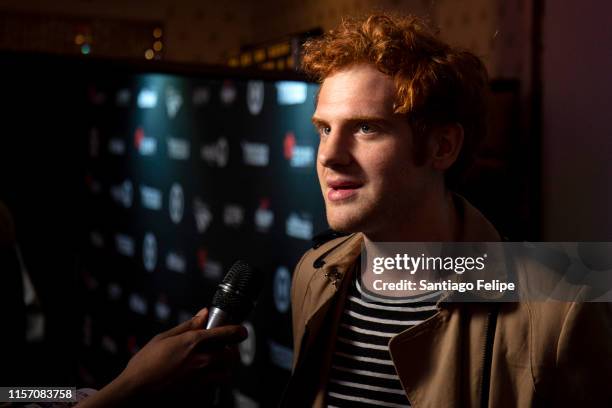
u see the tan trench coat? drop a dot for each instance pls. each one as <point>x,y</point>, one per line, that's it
<point>467,355</point>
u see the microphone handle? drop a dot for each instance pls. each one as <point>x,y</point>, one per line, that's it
<point>217,317</point>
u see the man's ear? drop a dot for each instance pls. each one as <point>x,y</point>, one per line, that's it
<point>446,144</point>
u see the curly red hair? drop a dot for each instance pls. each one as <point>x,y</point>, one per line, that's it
<point>436,84</point>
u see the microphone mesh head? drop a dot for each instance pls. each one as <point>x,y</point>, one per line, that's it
<point>242,286</point>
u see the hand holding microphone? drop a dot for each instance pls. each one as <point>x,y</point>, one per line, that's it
<point>188,357</point>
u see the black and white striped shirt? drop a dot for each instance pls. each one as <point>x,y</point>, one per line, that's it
<point>362,373</point>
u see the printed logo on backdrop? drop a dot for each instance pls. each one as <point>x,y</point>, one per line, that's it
<point>149,252</point>
<point>201,95</point>
<point>124,244</point>
<point>281,356</point>
<point>282,288</point>
<point>183,316</point>
<point>108,344</point>
<point>176,262</point>
<point>228,93</point>
<point>299,226</point>
<point>123,194</point>
<point>132,345</point>
<point>116,146</point>
<point>255,96</point>
<point>264,217</point>
<point>96,239</point>
<point>162,310</point>
<point>151,198</point>
<point>114,291</point>
<point>89,281</point>
<point>255,154</point>
<point>233,215</point>
<point>123,98</point>
<point>94,185</point>
<point>216,154</point>
<point>176,203</point>
<point>147,99</point>
<point>174,101</point>
<point>202,214</point>
<point>210,268</point>
<point>94,142</point>
<point>290,92</point>
<point>96,97</point>
<point>248,347</point>
<point>138,304</point>
<point>178,149</point>
<point>146,145</point>
<point>243,401</point>
<point>298,156</point>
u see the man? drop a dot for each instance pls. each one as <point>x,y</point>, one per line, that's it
<point>399,114</point>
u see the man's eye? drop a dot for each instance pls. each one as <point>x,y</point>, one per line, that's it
<point>324,130</point>
<point>365,128</point>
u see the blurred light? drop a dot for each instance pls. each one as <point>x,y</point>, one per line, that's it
<point>149,54</point>
<point>246,59</point>
<point>157,45</point>
<point>85,49</point>
<point>259,55</point>
<point>157,32</point>
<point>79,39</point>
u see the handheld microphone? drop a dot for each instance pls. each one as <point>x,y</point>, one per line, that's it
<point>235,296</point>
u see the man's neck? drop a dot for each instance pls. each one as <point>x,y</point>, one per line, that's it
<point>435,220</point>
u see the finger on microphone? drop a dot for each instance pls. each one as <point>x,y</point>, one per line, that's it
<point>200,318</point>
<point>203,312</point>
<point>221,336</point>
<point>187,325</point>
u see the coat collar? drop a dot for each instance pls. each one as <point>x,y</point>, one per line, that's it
<point>336,263</point>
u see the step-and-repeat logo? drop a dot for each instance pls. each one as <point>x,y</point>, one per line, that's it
<point>116,146</point>
<point>123,194</point>
<point>201,96</point>
<point>233,215</point>
<point>228,93</point>
<point>291,92</point>
<point>138,304</point>
<point>176,262</point>
<point>174,101</point>
<point>255,154</point>
<point>123,98</point>
<point>299,226</point>
<point>216,154</point>
<point>149,252</point>
<point>211,269</point>
<point>147,98</point>
<point>255,96</point>
<point>178,149</point>
<point>282,289</point>
<point>124,244</point>
<point>297,155</point>
<point>151,198</point>
<point>202,214</point>
<point>176,203</point>
<point>264,217</point>
<point>146,145</point>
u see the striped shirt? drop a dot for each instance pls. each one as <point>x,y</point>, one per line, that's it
<point>362,373</point>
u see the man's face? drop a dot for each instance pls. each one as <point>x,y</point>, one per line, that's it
<point>365,159</point>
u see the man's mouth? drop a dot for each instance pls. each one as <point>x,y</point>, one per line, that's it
<point>338,190</point>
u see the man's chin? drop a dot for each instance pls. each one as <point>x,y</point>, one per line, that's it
<point>348,226</point>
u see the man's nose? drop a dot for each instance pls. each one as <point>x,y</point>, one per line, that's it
<point>334,150</point>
